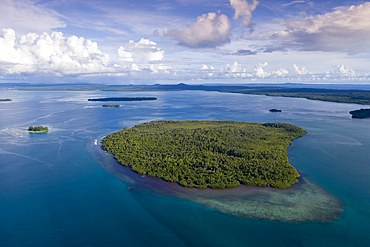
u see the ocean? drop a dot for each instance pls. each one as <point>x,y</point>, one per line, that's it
<point>60,189</point>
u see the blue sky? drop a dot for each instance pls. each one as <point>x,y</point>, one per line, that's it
<point>191,41</point>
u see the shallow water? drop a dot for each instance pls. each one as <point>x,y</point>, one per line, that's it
<point>55,190</point>
<point>302,202</point>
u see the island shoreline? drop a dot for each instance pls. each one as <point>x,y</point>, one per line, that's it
<point>318,205</point>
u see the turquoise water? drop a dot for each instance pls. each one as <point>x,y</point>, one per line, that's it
<point>55,189</point>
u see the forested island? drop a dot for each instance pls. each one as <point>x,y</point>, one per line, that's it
<point>5,99</point>
<point>38,129</point>
<point>124,99</point>
<point>274,110</point>
<point>105,105</point>
<point>362,113</point>
<point>334,95</point>
<point>213,154</point>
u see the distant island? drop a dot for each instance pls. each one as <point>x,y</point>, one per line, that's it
<point>356,96</point>
<point>38,129</point>
<point>274,110</point>
<point>124,99</point>
<point>362,113</point>
<point>213,154</point>
<point>5,99</point>
<point>105,105</point>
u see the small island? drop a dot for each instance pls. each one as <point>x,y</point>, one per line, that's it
<point>208,154</point>
<point>105,105</point>
<point>124,99</point>
<point>362,113</point>
<point>5,99</point>
<point>38,129</point>
<point>274,110</point>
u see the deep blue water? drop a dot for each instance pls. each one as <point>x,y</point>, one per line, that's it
<point>54,191</point>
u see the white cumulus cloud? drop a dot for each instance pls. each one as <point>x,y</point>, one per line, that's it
<point>281,73</point>
<point>205,67</point>
<point>57,55</point>
<point>342,70</point>
<point>46,53</point>
<point>143,51</point>
<point>234,70</point>
<point>244,9</point>
<point>159,69</point>
<point>124,55</point>
<point>302,71</point>
<point>259,71</point>
<point>135,67</point>
<point>210,30</point>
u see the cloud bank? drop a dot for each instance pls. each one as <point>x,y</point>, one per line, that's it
<point>344,30</point>
<point>210,30</point>
<point>56,55</point>
<point>53,53</point>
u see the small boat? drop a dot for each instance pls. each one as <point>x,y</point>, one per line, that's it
<point>96,142</point>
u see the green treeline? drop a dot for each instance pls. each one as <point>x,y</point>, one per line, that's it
<point>5,99</point>
<point>358,97</point>
<point>105,105</point>
<point>38,129</point>
<point>124,99</point>
<point>274,110</point>
<point>362,113</point>
<point>214,154</point>
<point>333,95</point>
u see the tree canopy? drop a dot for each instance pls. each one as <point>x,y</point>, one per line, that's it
<point>106,105</point>
<point>38,129</point>
<point>214,154</point>
<point>362,113</point>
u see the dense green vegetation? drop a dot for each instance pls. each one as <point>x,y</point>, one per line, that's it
<point>38,129</point>
<point>274,110</point>
<point>124,99</point>
<point>333,95</point>
<point>5,99</point>
<point>105,105</point>
<point>363,113</point>
<point>214,154</point>
<point>340,96</point>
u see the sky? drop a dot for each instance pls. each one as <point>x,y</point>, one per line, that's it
<point>184,41</point>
